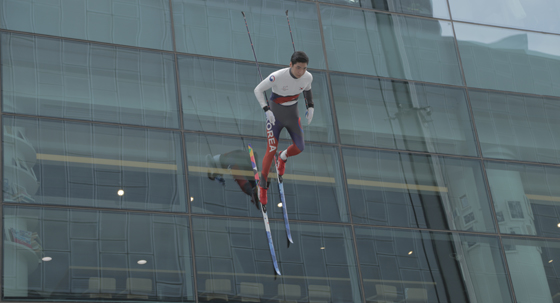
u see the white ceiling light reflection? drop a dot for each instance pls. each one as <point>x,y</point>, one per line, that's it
<point>280,204</point>
<point>142,262</point>
<point>120,192</point>
<point>46,259</point>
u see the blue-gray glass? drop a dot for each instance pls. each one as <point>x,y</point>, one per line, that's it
<point>509,60</point>
<point>218,96</point>
<point>68,79</point>
<point>517,127</point>
<point>410,190</point>
<point>533,268</point>
<point>221,180</point>
<point>524,14</point>
<point>396,46</point>
<point>426,8</point>
<point>402,115</point>
<point>233,262</point>
<point>421,266</point>
<point>78,164</point>
<point>217,28</point>
<point>55,254</point>
<point>135,23</point>
<point>525,198</point>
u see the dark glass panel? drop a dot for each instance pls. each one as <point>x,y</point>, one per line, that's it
<point>54,254</point>
<point>408,190</point>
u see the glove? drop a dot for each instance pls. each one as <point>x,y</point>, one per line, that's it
<point>270,117</point>
<point>309,114</point>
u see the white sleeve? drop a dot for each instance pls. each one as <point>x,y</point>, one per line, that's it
<point>262,87</point>
<point>308,87</point>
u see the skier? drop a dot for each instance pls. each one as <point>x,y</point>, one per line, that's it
<point>282,112</point>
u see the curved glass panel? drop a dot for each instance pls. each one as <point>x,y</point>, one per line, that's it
<point>136,23</point>
<point>524,14</point>
<point>67,79</point>
<point>510,60</point>
<point>216,28</point>
<point>233,262</point>
<point>426,8</point>
<point>526,198</point>
<point>419,266</point>
<point>221,180</point>
<point>55,254</point>
<point>517,127</point>
<point>379,44</point>
<point>218,97</point>
<point>402,115</point>
<point>68,163</point>
<point>533,269</point>
<point>408,190</point>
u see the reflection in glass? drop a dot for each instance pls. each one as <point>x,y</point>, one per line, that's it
<point>379,44</point>
<point>403,115</point>
<point>419,266</point>
<point>517,127</point>
<point>533,266</point>
<point>67,79</point>
<point>526,198</point>
<point>218,97</point>
<point>221,180</point>
<point>510,60</point>
<point>539,15</point>
<point>233,262</point>
<point>136,23</point>
<point>408,190</point>
<point>66,163</point>
<point>426,8</point>
<point>57,254</point>
<point>216,28</point>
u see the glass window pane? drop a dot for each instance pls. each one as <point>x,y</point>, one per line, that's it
<point>379,44</point>
<point>221,180</point>
<point>233,262</point>
<point>67,79</point>
<point>517,127</point>
<point>408,190</point>
<point>510,60</point>
<point>525,14</point>
<point>218,97</point>
<point>136,23</point>
<point>419,266</point>
<point>59,255</point>
<point>67,163</point>
<point>426,8</point>
<point>217,28</point>
<point>402,115</point>
<point>526,198</point>
<point>533,267</point>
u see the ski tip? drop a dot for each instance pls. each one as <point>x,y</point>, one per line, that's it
<point>286,12</point>
<point>243,13</point>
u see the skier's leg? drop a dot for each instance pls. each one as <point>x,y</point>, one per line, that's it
<point>298,144</point>
<point>272,135</point>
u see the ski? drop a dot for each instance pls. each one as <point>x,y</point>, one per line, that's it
<point>283,200</point>
<point>265,216</point>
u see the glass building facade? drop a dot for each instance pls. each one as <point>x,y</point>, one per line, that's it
<point>430,171</point>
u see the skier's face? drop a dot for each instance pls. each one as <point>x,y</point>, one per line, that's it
<point>298,69</point>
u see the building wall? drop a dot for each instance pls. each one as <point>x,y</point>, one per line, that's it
<point>429,173</point>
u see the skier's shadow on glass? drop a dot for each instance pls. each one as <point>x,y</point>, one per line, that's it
<point>236,163</point>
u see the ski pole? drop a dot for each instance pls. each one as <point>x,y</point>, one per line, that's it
<point>290,28</point>
<point>294,46</point>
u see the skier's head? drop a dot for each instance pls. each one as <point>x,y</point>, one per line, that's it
<point>298,63</point>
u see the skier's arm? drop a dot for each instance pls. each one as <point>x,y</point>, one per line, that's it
<point>309,104</point>
<point>308,98</point>
<point>261,88</point>
<point>259,93</point>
